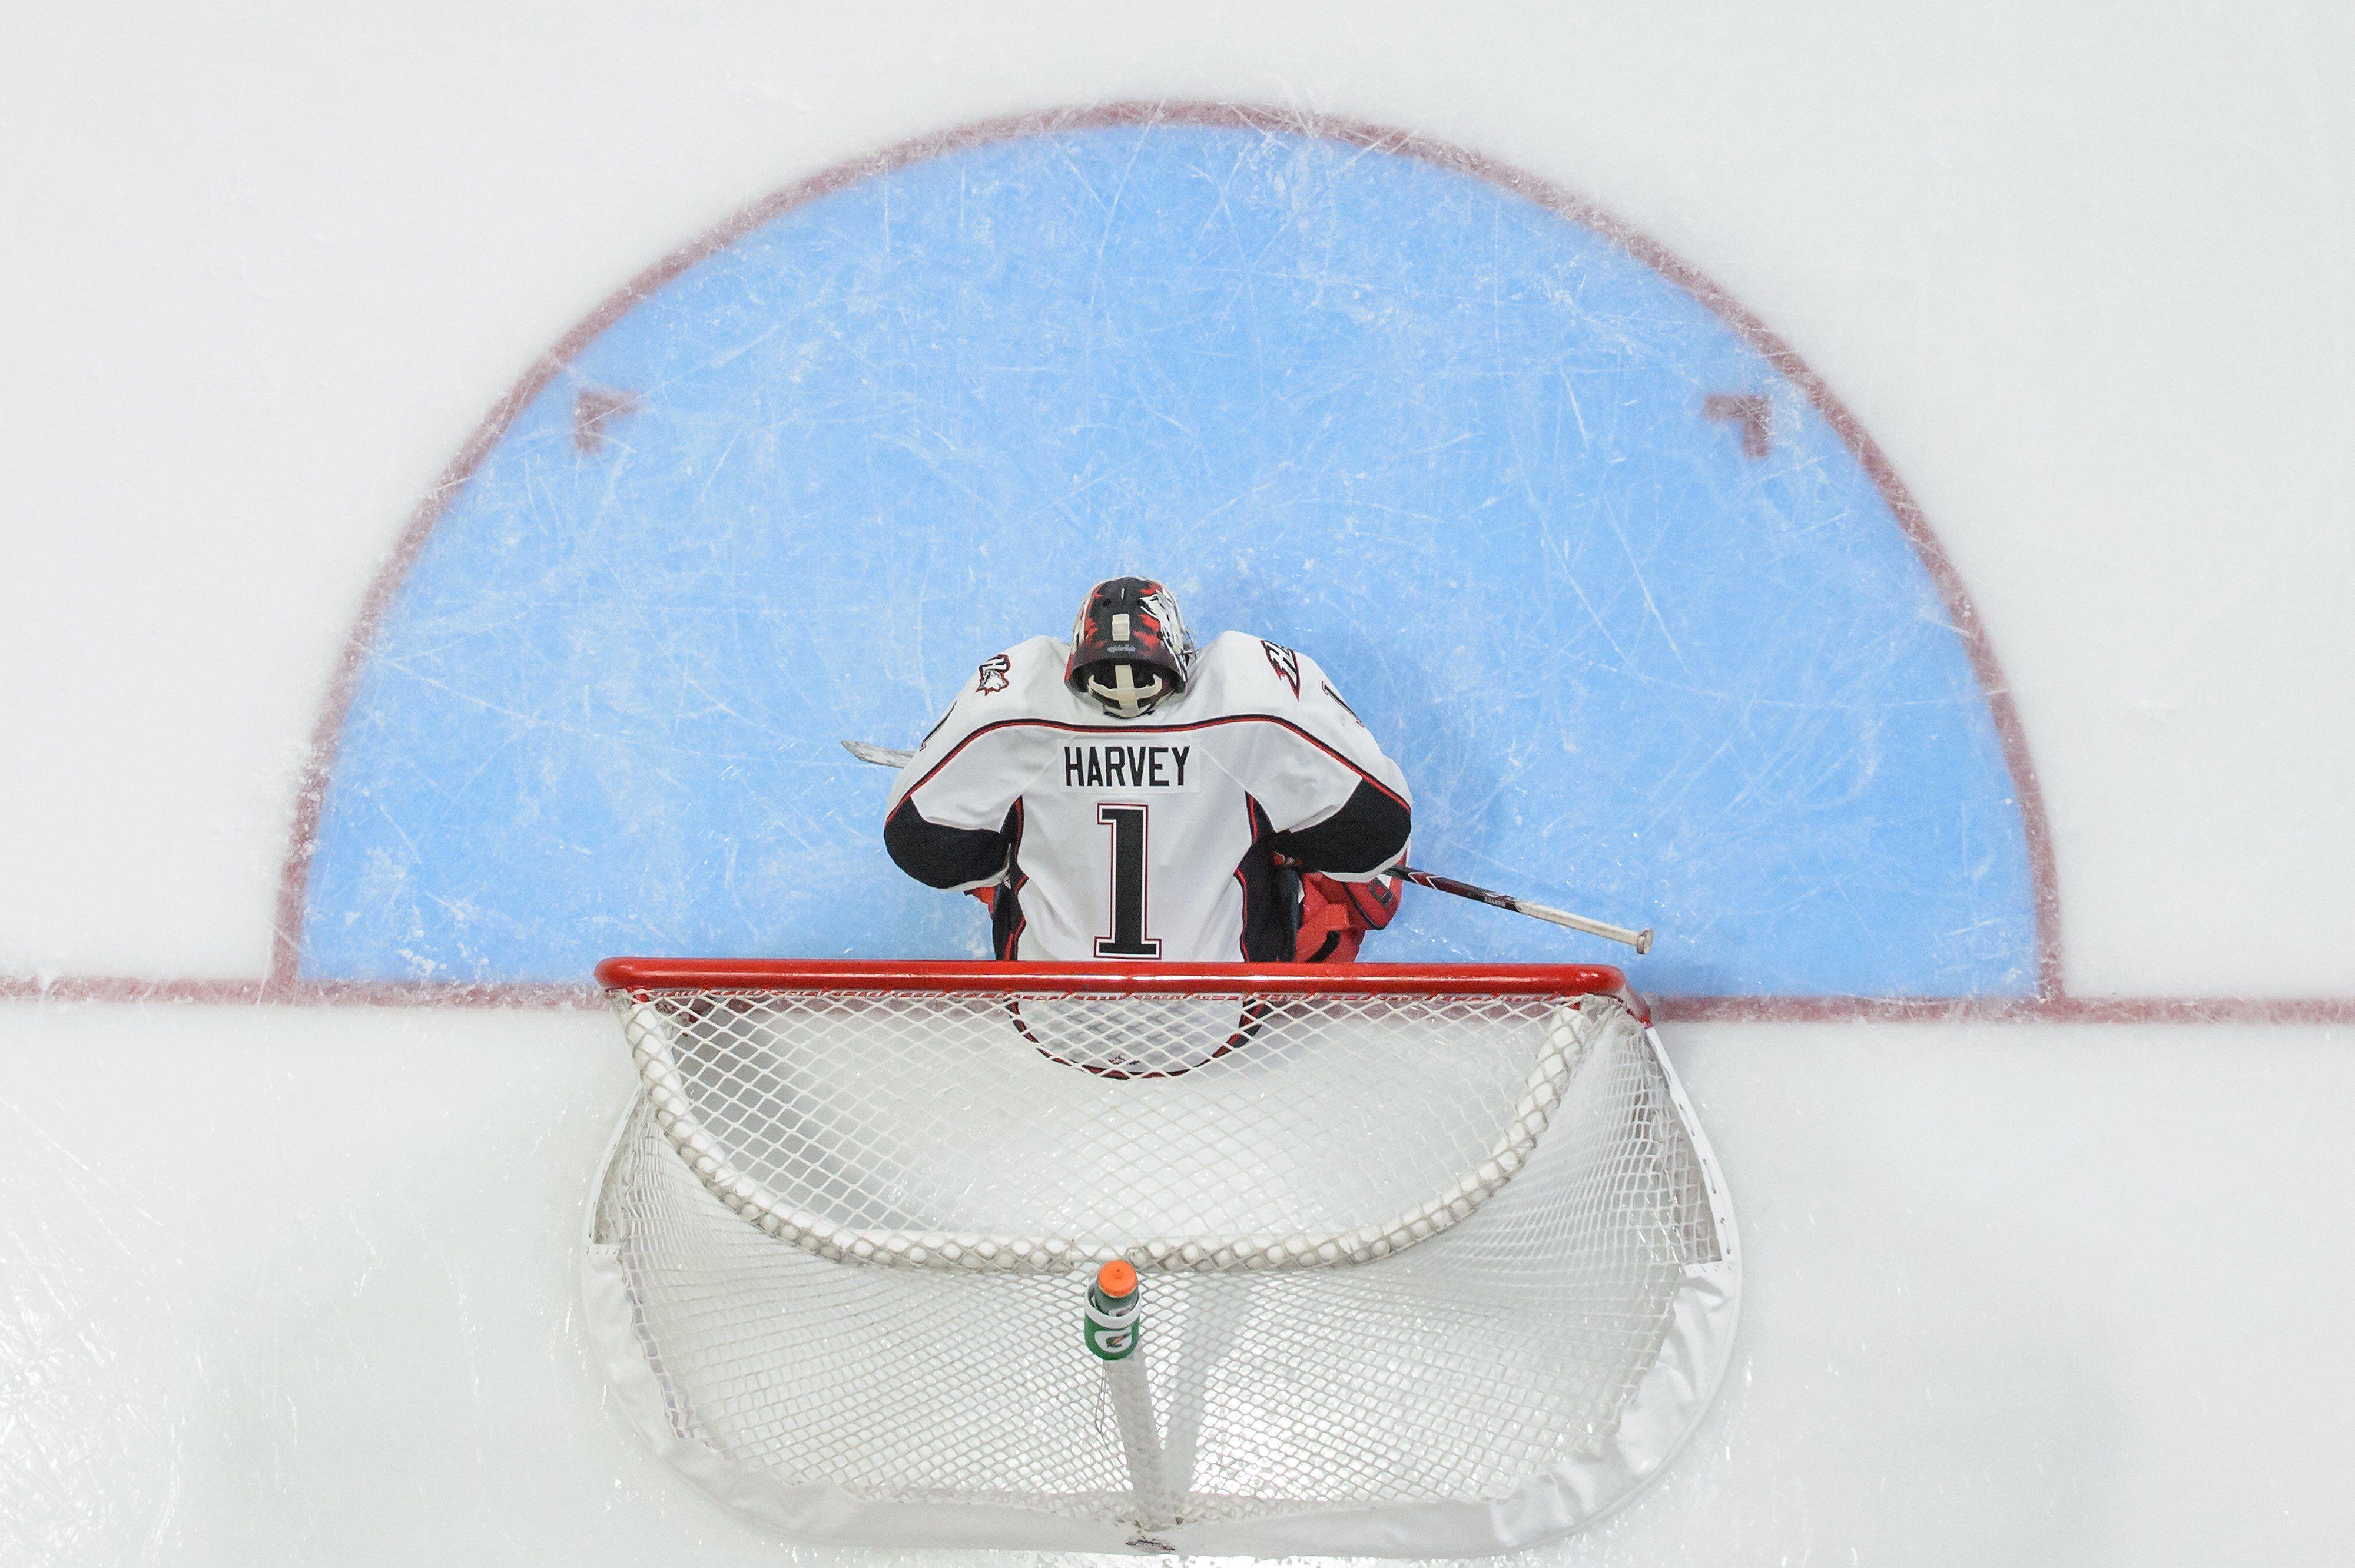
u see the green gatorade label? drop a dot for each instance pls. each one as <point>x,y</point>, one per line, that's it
<point>1113,1306</point>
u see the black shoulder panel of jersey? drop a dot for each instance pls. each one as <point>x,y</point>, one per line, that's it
<point>943,857</point>
<point>1271,897</point>
<point>1005,917</point>
<point>1367,832</point>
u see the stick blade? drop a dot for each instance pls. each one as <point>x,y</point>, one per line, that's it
<point>881,756</point>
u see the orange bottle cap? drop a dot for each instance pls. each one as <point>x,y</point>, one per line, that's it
<point>1116,1279</point>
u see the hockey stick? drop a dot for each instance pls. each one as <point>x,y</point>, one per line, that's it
<point>1641,941</point>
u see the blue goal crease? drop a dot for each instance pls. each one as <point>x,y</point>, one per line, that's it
<point>1457,445</point>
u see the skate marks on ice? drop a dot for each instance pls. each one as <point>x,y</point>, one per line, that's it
<point>1646,618</point>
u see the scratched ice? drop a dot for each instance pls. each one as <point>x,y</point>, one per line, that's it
<point>1630,596</point>
<point>282,1283</point>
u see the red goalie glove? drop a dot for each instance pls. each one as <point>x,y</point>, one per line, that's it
<point>1335,916</point>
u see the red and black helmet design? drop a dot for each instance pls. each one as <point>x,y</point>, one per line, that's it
<point>1129,648</point>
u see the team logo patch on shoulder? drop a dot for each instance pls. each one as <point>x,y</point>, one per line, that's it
<point>1284,662</point>
<point>993,673</point>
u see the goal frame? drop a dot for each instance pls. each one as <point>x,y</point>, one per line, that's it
<point>1665,1410</point>
<point>1116,977</point>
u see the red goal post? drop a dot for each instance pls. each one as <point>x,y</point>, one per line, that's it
<point>993,976</point>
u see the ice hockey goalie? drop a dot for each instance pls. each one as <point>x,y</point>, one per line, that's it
<point>1127,796</point>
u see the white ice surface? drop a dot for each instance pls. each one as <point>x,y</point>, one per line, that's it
<point>301,1292</point>
<point>2087,273</point>
<point>293,1286</point>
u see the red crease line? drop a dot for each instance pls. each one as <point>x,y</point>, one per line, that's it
<point>548,997</point>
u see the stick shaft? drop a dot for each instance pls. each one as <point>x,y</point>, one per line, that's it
<point>1641,941</point>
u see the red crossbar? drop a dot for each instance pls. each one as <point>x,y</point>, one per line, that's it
<point>993,978</point>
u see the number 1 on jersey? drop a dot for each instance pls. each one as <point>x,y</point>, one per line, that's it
<point>1127,939</point>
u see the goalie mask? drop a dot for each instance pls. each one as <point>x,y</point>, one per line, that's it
<point>1130,649</point>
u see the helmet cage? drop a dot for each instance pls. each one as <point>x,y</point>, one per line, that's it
<point>1114,685</point>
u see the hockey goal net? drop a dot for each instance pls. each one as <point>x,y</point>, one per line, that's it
<point>1432,1260</point>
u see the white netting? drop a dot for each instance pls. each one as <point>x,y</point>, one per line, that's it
<point>1397,1249</point>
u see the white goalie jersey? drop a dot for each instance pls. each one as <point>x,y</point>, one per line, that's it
<point>1175,837</point>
